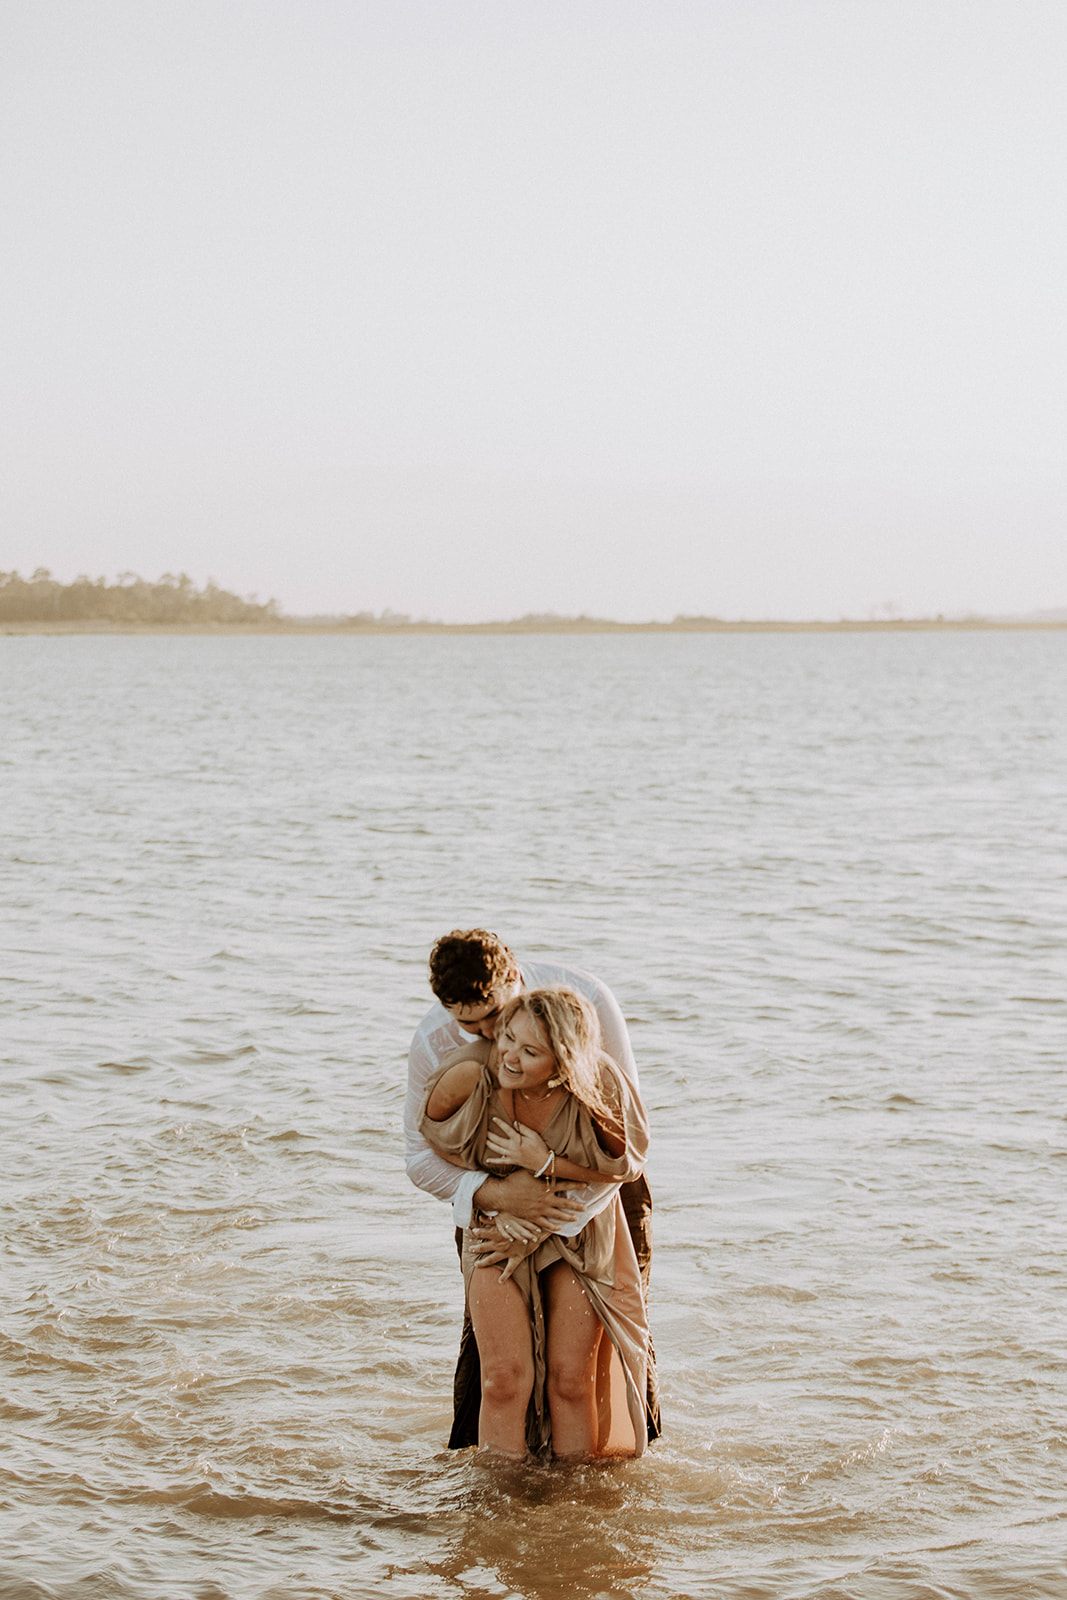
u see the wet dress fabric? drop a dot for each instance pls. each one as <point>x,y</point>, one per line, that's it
<point>601,1256</point>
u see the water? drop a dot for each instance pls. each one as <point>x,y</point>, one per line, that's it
<point>825,876</point>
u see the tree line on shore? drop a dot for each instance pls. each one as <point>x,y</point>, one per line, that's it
<point>175,601</point>
<point>175,598</point>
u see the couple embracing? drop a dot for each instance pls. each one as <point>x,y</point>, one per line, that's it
<point>523,1110</point>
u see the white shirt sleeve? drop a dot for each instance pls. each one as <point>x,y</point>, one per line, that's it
<point>426,1169</point>
<point>614,1032</point>
<point>593,1198</point>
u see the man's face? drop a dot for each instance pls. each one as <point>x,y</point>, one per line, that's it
<point>482,1018</point>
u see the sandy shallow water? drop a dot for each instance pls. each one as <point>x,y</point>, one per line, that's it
<point>825,875</point>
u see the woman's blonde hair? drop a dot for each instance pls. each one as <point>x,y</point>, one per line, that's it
<point>572,1031</point>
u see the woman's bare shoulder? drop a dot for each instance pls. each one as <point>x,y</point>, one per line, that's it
<point>456,1084</point>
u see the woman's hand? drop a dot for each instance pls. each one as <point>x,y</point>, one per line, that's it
<point>517,1145</point>
<point>513,1229</point>
<point>500,1243</point>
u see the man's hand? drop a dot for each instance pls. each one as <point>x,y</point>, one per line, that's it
<point>525,1196</point>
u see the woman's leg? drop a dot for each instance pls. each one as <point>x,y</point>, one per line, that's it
<point>573,1337</point>
<point>502,1329</point>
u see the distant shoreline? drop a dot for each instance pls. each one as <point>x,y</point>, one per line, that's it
<point>292,626</point>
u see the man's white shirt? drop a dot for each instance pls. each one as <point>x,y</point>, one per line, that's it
<point>438,1034</point>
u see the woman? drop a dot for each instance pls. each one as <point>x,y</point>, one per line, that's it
<point>562,1332</point>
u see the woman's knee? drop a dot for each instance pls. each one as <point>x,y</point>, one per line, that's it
<point>507,1379</point>
<point>570,1381</point>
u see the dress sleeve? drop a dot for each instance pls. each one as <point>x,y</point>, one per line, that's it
<point>631,1163</point>
<point>462,1135</point>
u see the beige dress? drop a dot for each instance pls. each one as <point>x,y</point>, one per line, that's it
<point>601,1255</point>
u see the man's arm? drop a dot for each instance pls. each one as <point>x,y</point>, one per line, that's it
<point>426,1169</point>
<point>614,1033</point>
<point>529,1198</point>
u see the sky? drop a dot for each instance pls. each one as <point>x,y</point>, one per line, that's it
<point>474,308</point>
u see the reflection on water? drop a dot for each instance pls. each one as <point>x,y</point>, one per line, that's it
<point>545,1532</point>
<point>825,876</point>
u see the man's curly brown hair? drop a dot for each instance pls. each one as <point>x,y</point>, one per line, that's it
<point>468,965</point>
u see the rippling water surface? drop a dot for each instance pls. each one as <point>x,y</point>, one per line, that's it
<point>825,876</point>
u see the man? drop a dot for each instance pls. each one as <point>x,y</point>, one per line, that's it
<point>474,975</point>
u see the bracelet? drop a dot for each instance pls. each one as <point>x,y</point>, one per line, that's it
<point>549,1162</point>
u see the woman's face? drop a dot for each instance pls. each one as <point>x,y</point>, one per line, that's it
<point>526,1062</point>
